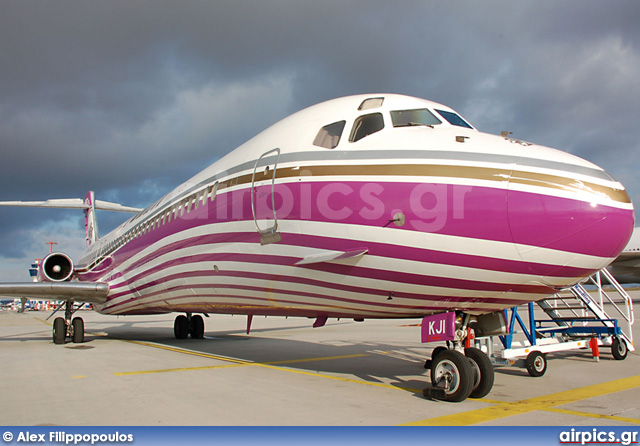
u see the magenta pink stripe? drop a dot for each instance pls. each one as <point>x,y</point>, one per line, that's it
<point>339,269</point>
<point>568,225</point>
<point>463,211</point>
<point>485,213</point>
<point>378,294</point>
<point>234,308</point>
<point>382,250</point>
<point>461,303</point>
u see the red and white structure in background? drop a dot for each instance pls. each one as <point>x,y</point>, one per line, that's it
<point>23,303</point>
<point>38,305</point>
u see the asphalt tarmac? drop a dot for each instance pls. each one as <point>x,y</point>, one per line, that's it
<point>131,371</point>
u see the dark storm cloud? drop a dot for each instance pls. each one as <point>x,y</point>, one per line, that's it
<point>130,98</point>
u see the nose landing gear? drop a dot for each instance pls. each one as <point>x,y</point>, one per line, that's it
<point>457,372</point>
<point>451,377</point>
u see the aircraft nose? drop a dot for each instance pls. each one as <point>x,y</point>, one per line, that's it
<point>581,212</point>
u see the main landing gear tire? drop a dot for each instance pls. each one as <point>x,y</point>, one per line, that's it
<point>483,374</point>
<point>619,349</point>
<point>59,330</point>
<point>181,327</point>
<point>187,325</point>
<point>451,377</point>
<point>536,364</point>
<point>197,327</point>
<point>66,326</point>
<point>78,330</point>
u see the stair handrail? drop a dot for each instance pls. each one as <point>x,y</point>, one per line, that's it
<point>629,316</point>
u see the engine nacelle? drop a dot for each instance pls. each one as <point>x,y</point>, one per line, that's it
<point>56,267</point>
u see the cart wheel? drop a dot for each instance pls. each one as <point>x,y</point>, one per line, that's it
<point>619,349</point>
<point>536,364</point>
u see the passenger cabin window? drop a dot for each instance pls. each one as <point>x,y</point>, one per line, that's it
<point>408,118</point>
<point>366,125</point>
<point>329,135</point>
<point>454,119</point>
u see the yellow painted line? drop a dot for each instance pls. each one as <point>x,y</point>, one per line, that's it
<point>320,358</point>
<point>42,320</point>
<point>242,364</point>
<point>188,352</point>
<point>485,400</point>
<point>180,369</point>
<point>545,402</point>
<point>270,365</point>
<point>78,376</point>
<point>595,415</point>
<point>238,362</point>
<point>339,378</point>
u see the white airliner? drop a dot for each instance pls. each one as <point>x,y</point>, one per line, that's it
<point>369,206</point>
<point>626,268</point>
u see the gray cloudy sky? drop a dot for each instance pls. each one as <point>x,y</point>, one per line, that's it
<point>131,98</point>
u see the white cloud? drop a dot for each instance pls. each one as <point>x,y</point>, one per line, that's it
<point>214,113</point>
<point>69,238</point>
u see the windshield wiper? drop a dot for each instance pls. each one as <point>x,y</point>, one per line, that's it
<point>412,124</point>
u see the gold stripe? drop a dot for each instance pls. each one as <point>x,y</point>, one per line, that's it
<point>569,185</point>
<point>424,170</point>
<point>544,402</point>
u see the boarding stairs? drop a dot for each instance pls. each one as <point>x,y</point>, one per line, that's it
<point>604,313</point>
<point>576,319</point>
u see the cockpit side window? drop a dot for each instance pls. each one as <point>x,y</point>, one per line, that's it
<point>454,119</point>
<point>329,135</point>
<point>371,103</point>
<point>366,125</point>
<point>407,118</point>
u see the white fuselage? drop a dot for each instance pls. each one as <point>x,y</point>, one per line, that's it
<point>407,220</point>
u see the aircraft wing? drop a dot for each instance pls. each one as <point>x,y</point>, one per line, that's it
<point>76,291</point>
<point>628,259</point>
<point>626,268</point>
<point>71,203</point>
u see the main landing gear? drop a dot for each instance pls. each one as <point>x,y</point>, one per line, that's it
<point>68,326</point>
<point>187,325</point>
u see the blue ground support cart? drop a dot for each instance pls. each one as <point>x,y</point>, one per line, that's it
<point>575,319</point>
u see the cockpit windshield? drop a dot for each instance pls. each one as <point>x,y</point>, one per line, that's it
<point>407,118</point>
<point>454,119</point>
